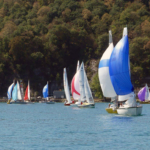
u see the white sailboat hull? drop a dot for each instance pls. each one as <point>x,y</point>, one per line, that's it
<point>130,111</point>
<point>75,104</point>
<point>89,105</point>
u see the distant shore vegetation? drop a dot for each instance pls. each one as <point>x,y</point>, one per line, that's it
<point>38,38</point>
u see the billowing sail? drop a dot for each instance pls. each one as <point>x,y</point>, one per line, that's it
<point>9,92</point>
<point>18,91</point>
<point>81,82</point>
<point>66,87</point>
<point>45,91</point>
<point>141,94</point>
<point>88,92</point>
<point>103,71</point>
<point>75,85</point>
<point>27,93</point>
<point>119,68</point>
<point>15,93</point>
<point>75,88</point>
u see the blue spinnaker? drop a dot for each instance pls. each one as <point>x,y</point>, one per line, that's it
<point>15,93</point>
<point>45,91</point>
<point>119,68</point>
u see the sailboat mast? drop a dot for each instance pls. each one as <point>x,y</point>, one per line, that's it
<point>110,37</point>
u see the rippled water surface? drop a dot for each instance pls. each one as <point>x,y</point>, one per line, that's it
<point>58,127</point>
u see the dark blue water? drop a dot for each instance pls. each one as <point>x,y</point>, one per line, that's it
<point>58,127</point>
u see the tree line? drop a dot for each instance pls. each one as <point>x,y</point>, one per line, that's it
<point>38,38</point>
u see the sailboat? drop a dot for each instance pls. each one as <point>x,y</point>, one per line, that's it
<point>45,94</point>
<point>85,91</point>
<point>16,95</point>
<point>66,88</point>
<point>27,97</point>
<point>75,87</point>
<point>119,69</point>
<point>104,77</point>
<point>144,95</point>
<point>9,92</point>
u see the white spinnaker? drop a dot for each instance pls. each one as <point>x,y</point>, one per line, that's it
<point>29,90</point>
<point>66,87</point>
<point>10,91</point>
<point>81,82</point>
<point>88,92</point>
<point>18,91</point>
<point>104,76</point>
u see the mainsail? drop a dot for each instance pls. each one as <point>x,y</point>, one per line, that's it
<point>18,91</point>
<point>88,92</point>
<point>81,82</point>
<point>66,87</point>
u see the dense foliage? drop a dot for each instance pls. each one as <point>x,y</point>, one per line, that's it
<point>38,38</point>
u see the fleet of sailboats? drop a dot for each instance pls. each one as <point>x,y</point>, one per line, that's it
<point>16,95</point>
<point>115,81</point>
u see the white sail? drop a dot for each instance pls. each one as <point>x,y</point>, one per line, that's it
<point>103,72</point>
<point>81,82</point>
<point>147,93</point>
<point>18,91</point>
<point>66,87</point>
<point>88,92</point>
<point>29,90</point>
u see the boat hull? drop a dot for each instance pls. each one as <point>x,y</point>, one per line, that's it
<point>50,102</point>
<point>130,111</point>
<point>86,105</point>
<point>110,110</point>
<point>17,102</point>
<point>67,104</point>
<point>144,102</point>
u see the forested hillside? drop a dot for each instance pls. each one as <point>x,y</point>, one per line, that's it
<point>38,38</point>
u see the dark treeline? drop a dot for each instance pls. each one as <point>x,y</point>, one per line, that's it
<point>38,38</point>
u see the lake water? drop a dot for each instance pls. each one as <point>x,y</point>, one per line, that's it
<point>58,127</point>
